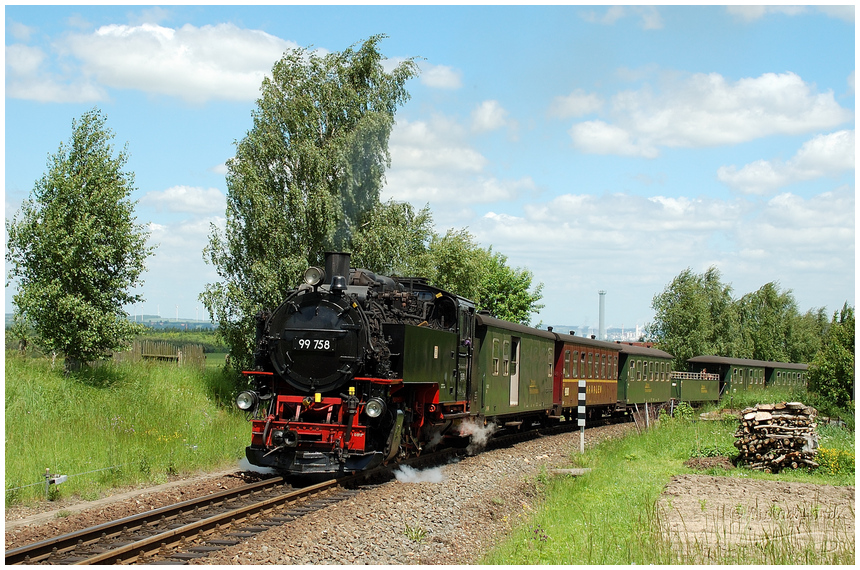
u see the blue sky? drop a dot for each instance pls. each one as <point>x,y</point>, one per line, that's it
<point>600,147</point>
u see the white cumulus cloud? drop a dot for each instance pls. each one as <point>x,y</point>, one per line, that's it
<point>823,155</point>
<point>489,116</point>
<point>750,13</point>
<point>197,64</point>
<point>576,104</point>
<point>441,76</point>
<point>194,63</point>
<point>187,199</point>
<point>435,162</point>
<point>649,16</point>
<point>598,137</point>
<point>709,110</point>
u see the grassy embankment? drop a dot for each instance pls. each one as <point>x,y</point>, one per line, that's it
<point>114,425</point>
<point>610,515</point>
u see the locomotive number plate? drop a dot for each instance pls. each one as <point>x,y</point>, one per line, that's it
<point>314,344</point>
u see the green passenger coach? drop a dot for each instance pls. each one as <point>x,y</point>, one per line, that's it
<point>738,375</point>
<point>513,369</point>
<point>644,375</point>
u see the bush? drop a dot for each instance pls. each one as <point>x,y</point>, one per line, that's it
<point>835,461</point>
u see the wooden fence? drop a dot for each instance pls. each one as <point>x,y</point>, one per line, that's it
<point>184,355</point>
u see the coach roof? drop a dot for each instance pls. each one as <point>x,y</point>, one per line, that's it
<point>628,348</point>
<point>486,320</point>
<point>746,362</point>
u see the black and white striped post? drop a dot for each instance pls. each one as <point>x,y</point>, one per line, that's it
<point>581,416</point>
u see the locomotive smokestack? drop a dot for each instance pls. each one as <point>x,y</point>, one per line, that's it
<point>602,329</point>
<point>336,263</point>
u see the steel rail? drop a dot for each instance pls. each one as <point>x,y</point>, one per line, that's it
<point>41,550</point>
<point>154,544</point>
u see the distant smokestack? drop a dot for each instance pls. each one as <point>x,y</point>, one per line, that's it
<point>602,329</point>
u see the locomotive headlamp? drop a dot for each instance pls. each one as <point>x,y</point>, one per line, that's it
<point>314,276</point>
<point>375,407</point>
<point>247,401</point>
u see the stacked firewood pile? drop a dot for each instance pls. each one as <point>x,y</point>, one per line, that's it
<point>773,437</point>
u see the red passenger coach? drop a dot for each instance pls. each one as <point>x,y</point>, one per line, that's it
<point>595,361</point>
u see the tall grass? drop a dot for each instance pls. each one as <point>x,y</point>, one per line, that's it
<point>118,424</point>
<point>610,515</point>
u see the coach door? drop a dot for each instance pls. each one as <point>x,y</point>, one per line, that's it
<point>515,371</point>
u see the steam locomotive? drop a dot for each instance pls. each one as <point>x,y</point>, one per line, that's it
<point>355,369</point>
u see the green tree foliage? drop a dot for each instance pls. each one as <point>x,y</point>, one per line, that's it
<point>75,249</point>
<point>306,173</point>
<point>392,239</point>
<point>505,292</point>
<point>767,317</point>
<point>806,335</point>
<point>832,372</point>
<point>455,262</point>
<point>695,315</point>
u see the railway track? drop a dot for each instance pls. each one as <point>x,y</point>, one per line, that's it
<point>196,527</point>
<point>154,535</point>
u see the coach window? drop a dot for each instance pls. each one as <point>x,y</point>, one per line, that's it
<point>567,364</point>
<point>506,355</point>
<point>603,366</point>
<point>615,366</point>
<point>495,357</point>
<point>549,362</point>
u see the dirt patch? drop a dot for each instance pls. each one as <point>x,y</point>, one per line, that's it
<point>706,463</point>
<point>716,519</point>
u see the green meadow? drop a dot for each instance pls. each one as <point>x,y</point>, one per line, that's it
<point>610,515</point>
<point>114,425</point>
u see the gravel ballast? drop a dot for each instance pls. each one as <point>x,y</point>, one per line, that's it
<point>447,515</point>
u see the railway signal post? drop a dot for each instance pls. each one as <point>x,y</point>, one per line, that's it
<point>581,416</point>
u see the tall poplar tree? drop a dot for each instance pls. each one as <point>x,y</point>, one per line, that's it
<point>75,248</point>
<point>308,170</point>
<point>696,315</point>
<point>832,371</point>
